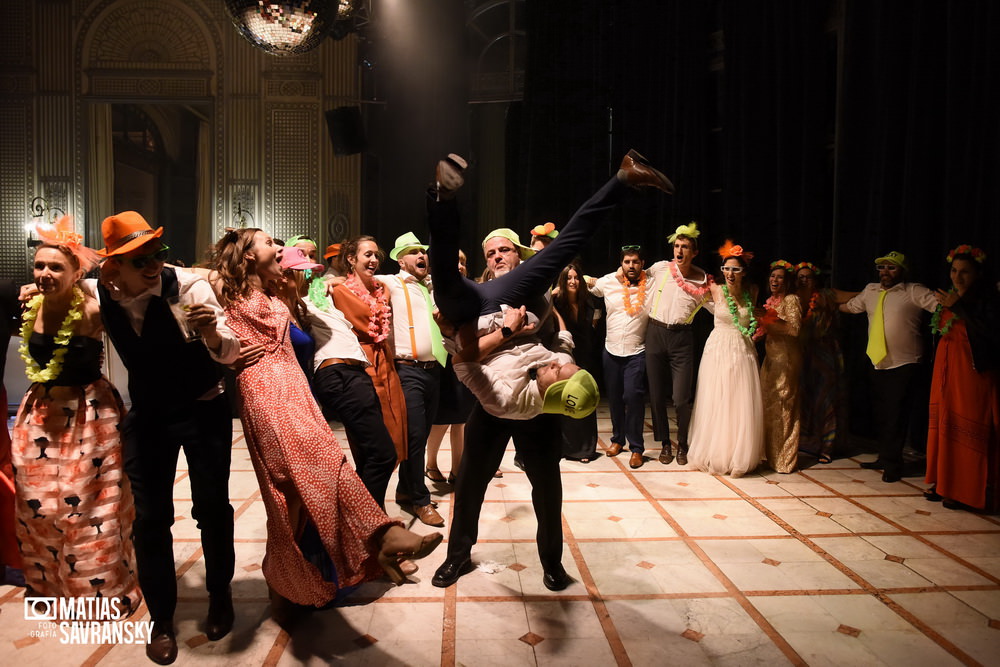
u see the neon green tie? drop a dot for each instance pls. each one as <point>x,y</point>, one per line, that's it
<point>437,347</point>
<point>876,336</point>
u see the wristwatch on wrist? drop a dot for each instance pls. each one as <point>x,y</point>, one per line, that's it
<point>506,332</point>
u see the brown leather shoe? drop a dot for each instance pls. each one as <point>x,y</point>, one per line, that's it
<point>615,449</point>
<point>449,176</point>
<point>682,455</point>
<point>636,172</point>
<point>428,515</point>
<point>636,460</point>
<point>162,646</point>
<point>666,454</point>
<point>220,617</point>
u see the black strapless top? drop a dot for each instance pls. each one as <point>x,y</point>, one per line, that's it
<point>81,365</point>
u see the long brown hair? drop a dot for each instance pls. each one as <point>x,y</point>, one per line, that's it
<point>562,300</point>
<point>229,258</point>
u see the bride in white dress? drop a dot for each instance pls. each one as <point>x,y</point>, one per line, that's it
<point>727,426</point>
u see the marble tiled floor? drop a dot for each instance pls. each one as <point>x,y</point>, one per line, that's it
<point>827,566</point>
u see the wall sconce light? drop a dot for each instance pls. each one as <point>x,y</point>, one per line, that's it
<point>39,208</point>
<point>240,216</point>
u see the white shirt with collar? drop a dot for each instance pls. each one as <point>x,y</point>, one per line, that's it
<point>502,382</point>
<point>333,334</point>
<point>669,304</point>
<point>192,290</point>
<point>901,317</point>
<point>409,313</point>
<point>626,333</point>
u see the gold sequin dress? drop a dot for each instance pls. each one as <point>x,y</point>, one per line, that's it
<point>779,382</point>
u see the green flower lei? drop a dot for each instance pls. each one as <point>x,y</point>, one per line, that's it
<point>748,331</point>
<point>936,327</point>
<point>54,367</point>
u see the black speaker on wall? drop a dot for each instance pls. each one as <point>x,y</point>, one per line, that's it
<point>347,131</point>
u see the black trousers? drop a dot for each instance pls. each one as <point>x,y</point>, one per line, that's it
<point>348,391</point>
<point>670,367</point>
<point>152,441</point>
<point>538,444</point>
<point>895,394</point>
<point>421,388</point>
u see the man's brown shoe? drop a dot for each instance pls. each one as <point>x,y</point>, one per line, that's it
<point>682,455</point>
<point>428,515</point>
<point>615,449</point>
<point>666,454</point>
<point>636,172</point>
<point>636,460</point>
<point>162,646</point>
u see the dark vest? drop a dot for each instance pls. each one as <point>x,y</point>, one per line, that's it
<point>164,370</point>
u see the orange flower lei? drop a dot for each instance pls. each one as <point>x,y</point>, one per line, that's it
<point>626,299</point>
<point>812,305</point>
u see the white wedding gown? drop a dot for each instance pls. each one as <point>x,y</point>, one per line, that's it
<point>727,425</point>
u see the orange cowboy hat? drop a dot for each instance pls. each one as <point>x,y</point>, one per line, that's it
<point>332,250</point>
<point>124,232</point>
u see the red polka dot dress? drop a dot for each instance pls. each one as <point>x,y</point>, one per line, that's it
<point>302,471</point>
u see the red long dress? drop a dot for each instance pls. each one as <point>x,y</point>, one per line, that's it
<point>963,435</point>
<point>300,466</point>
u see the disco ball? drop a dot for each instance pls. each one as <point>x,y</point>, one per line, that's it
<point>286,28</point>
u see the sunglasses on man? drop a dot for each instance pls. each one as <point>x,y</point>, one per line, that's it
<point>141,261</point>
<point>886,267</point>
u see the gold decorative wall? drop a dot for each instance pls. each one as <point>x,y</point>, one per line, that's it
<point>266,148</point>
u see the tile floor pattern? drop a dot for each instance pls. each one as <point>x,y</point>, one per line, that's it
<point>827,566</point>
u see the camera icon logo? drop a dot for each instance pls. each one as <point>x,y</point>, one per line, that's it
<point>39,609</point>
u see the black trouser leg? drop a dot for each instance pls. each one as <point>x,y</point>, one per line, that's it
<point>349,391</point>
<point>681,347</point>
<point>658,372</point>
<point>486,439</point>
<point>421,388</point>
<point>894,394</point>
<point>537,441</point>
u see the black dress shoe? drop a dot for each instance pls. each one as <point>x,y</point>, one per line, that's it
<point>666,454</point>
<point>891,476</point>
<point>873,465</point>
<point>556,579</point>
<point>932,495</point>
<point>162,646</point>
<point>450,572</point>
<point>220,617</point>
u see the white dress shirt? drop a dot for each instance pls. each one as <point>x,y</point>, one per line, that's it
<point>333,334</point>
<point>626,333</point>
<point>901,318</point>
<point>501,381</point>
<point>192,290</point>
<point>409,314</point>
<point>669,304</point>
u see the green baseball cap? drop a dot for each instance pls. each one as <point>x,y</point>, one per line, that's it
<point>576,397</point>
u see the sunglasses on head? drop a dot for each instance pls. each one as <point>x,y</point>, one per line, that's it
<point>141,261</point>
<point>631,248</point>
<point>884,267</point>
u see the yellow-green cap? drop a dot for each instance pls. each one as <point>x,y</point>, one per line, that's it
<point>507,233</point>
<point>897,258</point>
<point>576,397</point>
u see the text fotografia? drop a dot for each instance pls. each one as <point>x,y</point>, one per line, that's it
<point>85,621</point>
